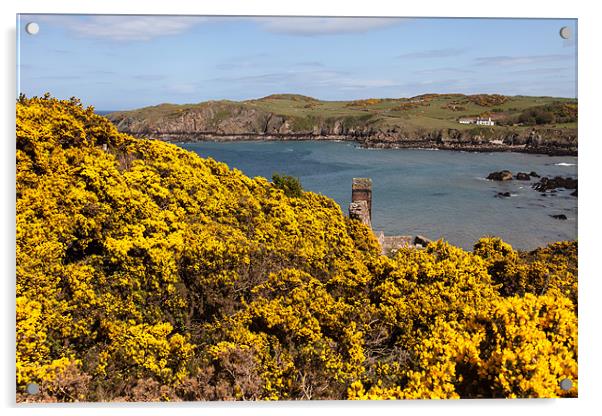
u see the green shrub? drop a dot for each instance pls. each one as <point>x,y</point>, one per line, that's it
<point>289,184</point>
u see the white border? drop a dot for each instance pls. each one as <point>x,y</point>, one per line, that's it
<point>589,224</point>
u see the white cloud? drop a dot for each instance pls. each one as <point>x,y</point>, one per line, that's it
<point>124,27</point>
<point>245,62</point>
<point>542,71</point>
<point>149,77</point>
<point>312,26</point>
<point>361,83</point>
<point>523,60</point>
<point>292,80</point>
<point>310,64</point>
<point>141,28</point>
<point>182,88</point>
<point>443,70</point>
<point>432,53</point>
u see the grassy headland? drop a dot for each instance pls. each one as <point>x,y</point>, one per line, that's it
<point>532,124</point>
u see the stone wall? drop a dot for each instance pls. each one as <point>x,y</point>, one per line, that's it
<point>360,209</point>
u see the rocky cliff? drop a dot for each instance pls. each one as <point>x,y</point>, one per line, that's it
<point>228,121</point>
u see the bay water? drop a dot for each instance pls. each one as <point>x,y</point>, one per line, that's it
<point>434,193</point>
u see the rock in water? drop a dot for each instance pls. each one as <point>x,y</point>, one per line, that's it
<point>522,176</point>
<point>534,174</point>
<point>559,216</point>
<point>503,195</point>
<point>421,240</point>
<point>548,184</point>
<point>503,175</point>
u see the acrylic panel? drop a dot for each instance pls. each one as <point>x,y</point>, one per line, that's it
<point>283,208</point>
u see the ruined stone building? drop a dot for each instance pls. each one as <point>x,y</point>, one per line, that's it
<point>360,209</point>
<point>361,200</point>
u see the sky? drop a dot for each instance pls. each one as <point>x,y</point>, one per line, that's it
<point>125,62</point>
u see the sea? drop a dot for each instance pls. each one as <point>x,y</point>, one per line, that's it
<point>433,193</point>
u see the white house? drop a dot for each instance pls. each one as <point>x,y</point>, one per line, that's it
<point>482,122</point>
<point>479,121</point>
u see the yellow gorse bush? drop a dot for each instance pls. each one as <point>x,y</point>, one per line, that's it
<point>145,272</point>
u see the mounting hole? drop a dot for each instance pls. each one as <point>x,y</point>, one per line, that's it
<point>566,384</point>
<point>565,32</point>
<point>32,28</point>
<point>33,388</point>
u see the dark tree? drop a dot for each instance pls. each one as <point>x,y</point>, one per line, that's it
<point>289,184</point>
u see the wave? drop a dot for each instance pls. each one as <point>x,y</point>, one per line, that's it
<point>564,164</point>
<point>368,148</point>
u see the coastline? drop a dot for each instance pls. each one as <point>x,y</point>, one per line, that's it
<point>432,122</point>
<point>366,142</point>
<point>421,191</point>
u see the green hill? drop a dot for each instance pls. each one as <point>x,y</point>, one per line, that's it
<point>424,111</point>
<point>536,124</point>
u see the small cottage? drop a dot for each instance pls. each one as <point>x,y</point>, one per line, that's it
<point>478,121</point>
<point>485,122</point>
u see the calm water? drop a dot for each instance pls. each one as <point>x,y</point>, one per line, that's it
<point>438,194</point>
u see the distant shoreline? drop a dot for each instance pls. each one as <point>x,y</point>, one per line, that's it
<point>426,144</point>
<point>540,125</point>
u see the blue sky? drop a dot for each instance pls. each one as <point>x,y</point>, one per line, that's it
<point>123,62</point>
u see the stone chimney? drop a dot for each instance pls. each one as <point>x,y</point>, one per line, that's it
<point>359,211</point>
<point>361,200</point>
